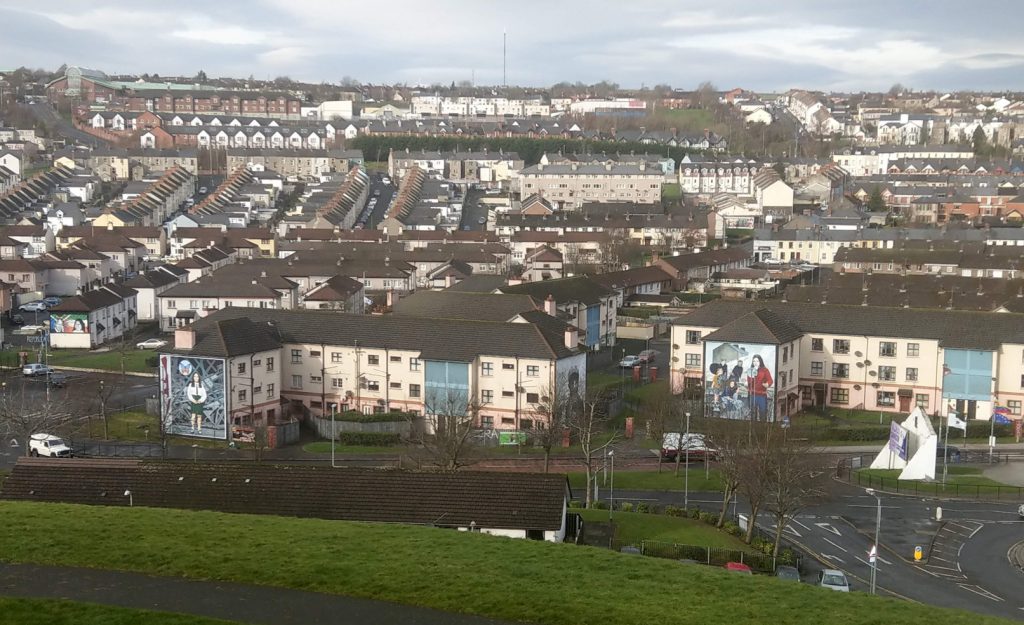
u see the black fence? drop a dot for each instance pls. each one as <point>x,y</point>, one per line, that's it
<point>106,449</point>
<point>854,471</point>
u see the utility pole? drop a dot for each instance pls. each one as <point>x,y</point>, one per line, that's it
<point>686,476</point>
<point>504,58</point>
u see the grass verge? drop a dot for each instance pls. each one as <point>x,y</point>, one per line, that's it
<point>962,476</point>
<point>134,359</point>
<point>131,426</point>
<point>454,571</point>
<point>632,527</point>
<point>324,447</point>
<point>61,612</point>
<point>652,480</point>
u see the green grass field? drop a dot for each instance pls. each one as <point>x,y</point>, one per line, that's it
<point>652,480</point>
<point>131,425</point>
<point>671,192</point>
<point>134,359</point>
<point>60,612</point>
<point>504,578</point>
<point>632,527</point>
<point>963,476</point>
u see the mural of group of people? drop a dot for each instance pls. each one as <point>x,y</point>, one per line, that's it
<point>69,323</point>
<point>192,394</point>
<point>739,381</point>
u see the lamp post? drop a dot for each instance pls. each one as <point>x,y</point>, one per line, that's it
<point>686,476</point>
<point>334,432</point>
<point>878,530</point>
<point>611,485</point>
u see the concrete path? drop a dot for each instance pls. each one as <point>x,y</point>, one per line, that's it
<point>259,605</point>
<point>1010,473</point>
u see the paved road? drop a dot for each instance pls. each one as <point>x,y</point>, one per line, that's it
<point>473,211</point>
<point>62,127</point>
<point>372,216</point>
<point>240,602</point>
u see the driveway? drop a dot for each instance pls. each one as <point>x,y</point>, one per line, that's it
<point>246,603</point>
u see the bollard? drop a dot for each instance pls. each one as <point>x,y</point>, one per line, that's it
<point>938,513</point>
<point>918,554</point>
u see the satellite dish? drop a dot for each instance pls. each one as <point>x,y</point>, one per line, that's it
<point>860,364</point>
<point>856,387</point>
<point>875,384</point>
<point>867,362</point>
<point>872,373</point>
<point>857,354</point>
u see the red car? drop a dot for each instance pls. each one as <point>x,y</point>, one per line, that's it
<point>738,567</point>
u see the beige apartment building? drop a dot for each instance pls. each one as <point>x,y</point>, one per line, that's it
<point>873,358</point>
<point>328,360</point>
<point>569,186</point>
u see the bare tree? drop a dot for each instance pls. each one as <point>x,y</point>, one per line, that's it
<point>555,407</point>
<point>588,423</point>
<point>444,433</point>
<point>261,442</point>
<point>754,474</point>
<point>22,415</point>
<point>791,466</point>
<point>731,444</point>
<point>104,392</point>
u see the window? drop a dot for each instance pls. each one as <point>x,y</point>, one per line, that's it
<point>692,360</point>
<point>314,353</point>
<point>241,395</point>
<point>296,356</point>
<point>171,304</point>
<point>886,398</point>
<point>335,356</point>
<point>785,354</point>
<point>532,371</point>
<point>296,381</point>
<point>372,359</point>
<point>693,337</point>
<point>337,383</point>
<point>257,362</point>
<point>532,398</point>
<point>486,396</point>
<point>508,366</point>
<point>507,394</point>
<point>315,379</point>
<point>414,364</point>
<point>782,379</point>
<point>487,421</point>
<point>887,373</point>
<point>887,349</point>
<point>414,390</point>
<point>921,400</point>
<point>486,368</point>
<point>913,350</point>
<point>395,359</point>
<point>840,370</point>
<point>270,363</point>
<point>193,304</point>
<point>839,396</point>
<point>396,385</point>
<point>241,367</point>
<point>911,374</point>
<point>841,346</point>
<point>817,345</point>
<point>817,368</point>
<point>372,385</point>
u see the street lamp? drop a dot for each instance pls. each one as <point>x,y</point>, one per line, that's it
<point>611,485</point>
<point>878,529</point>
<point>686,476</point>
<point>334,431</point>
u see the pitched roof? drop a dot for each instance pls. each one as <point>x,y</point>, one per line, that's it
<point>334,289</point>
<point>953,329</point>
<point>761,326</point>
<point>437,339</point>
<point>581,289</point>
<point>479,283</point>
<point>457,305</point>
<point>488,499</point>
<point>632,277</point>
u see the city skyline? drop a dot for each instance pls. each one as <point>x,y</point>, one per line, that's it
<point>741,43</point>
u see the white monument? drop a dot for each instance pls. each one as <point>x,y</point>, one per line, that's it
<point>912,447</point>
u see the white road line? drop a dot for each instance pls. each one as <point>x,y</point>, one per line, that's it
<point>834,545</point>
<point>978,529</point>
<point>978,590</point>
<point>934,557</point>
<point>936,566</point>
<point>801,524</point>
<point>884,560</point>
<point>862,561</point>
<point>828,528</point>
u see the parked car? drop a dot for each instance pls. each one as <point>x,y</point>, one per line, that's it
<point>692,443</point>
<point>482,220</point>
<point>833,579</point>
<point>49,446</point>
<point>51,301</point>
<point>34,369</point>
<point>738,567</point>
<point>37,306</point>
<point>203,190</point>
<point>57,379</point>
<point>629,362</point>
<point>153,343</point>
<point>17,320</point>
<point>647,355</point>
<point>788,573</point>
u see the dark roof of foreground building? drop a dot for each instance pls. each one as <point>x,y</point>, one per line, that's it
<point>581,289</point>
<point>761,326</point>
<point>952,328</point>
<point>488,499</point>
<point>479,283</point>
<point>436,339</point>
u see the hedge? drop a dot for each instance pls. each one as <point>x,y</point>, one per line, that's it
<point>369,439</point>
<point>357,417</point>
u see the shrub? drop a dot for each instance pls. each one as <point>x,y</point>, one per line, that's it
<point>708,517</point>
<point>646,508</point>
<point>599,505</point>
<point>731,527</point>
<point>673,511</point>
<point>369,439</point>
<point>786,556</point>
<point>693,513</point>
<point>357,417</point>
<point>575,503</point>
<point>625,506</point>
<point>153,362</point>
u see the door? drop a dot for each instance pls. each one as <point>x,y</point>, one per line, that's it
<point>904,404</point>
<point>819,397</point>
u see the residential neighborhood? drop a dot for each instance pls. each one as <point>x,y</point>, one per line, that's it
<point>686,313</point>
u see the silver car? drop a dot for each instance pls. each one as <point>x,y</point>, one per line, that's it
<point>834,580</point>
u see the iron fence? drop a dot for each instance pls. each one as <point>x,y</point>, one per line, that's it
<point>848,469</point>
<point>711,556</point>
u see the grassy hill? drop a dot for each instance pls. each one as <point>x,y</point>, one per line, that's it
<point>54,612</point>
<point>503,578</point>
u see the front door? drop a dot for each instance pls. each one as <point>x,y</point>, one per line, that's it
<point>904,404</point>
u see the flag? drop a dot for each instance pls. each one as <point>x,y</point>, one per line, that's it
<point>956,422</point>
<point>1001,414</point>
<point>1002,419</point>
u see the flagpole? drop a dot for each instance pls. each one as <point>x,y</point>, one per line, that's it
<point>992,433</point>
<point>945,453</point>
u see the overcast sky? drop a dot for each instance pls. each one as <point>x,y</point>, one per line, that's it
<point>864,44</point>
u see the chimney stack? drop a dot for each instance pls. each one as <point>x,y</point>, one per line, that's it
<point>184,338</point>
<point>549,305</point>
<point>572,338</point>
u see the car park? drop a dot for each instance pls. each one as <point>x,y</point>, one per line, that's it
<point>834,580</point>
<point>788,573</point>
<point>49,446</point>
<point>153,343</point>
<point>629,361</point>
<point>36,306</point>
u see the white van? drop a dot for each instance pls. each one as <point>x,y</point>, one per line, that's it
<point>48,446</point>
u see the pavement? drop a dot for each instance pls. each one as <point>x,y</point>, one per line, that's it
<point>259,605</point>
<point>1011,473</point>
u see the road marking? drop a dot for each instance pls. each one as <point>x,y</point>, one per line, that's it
<point>836,558</point>
<point>935,557</point>
<point>863,561</point>
<point>835,545</point>
<point>978,529</point>
<point>978,590</point>
<point>884,560</point>
<point>801,525</point>
<point>828,528</point>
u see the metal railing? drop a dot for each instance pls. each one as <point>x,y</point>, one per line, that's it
<point>711,556</point>
<point>848,469</point>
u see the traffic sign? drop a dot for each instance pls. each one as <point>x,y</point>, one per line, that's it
<point>873,554</point>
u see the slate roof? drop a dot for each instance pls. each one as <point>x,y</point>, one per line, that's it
<point>489,499</point>
<point>215,286</point>
<point>456,305</point>
<point>479,283</point>
<point>334,289</point>
<point>632,277</point>
<point>761,326</point>
<point>437,339</point>
<point>581,289</point>
<point>952,328</point>
<point>151,279</point>
<point>108,295</point>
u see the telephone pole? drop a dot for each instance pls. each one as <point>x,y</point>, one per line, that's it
<point>504,58</point>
